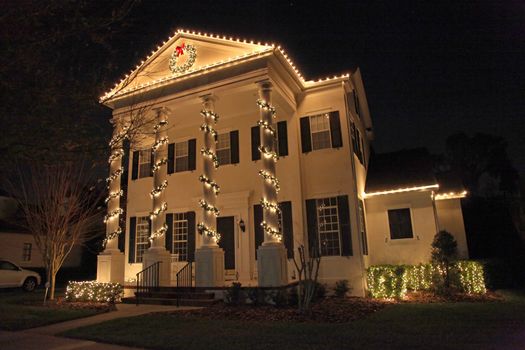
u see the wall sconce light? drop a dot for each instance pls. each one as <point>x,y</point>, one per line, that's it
<point>242,225</point>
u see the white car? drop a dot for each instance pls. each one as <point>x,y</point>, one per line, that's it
<point>12,275</point>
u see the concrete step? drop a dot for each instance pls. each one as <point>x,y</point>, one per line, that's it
<point>169,301</point>
<point>175,295</point>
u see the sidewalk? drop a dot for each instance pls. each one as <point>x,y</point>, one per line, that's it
<point>42,338</point>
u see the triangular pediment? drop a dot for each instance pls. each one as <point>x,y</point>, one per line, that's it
<point>183,54</point>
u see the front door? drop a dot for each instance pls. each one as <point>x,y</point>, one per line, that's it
<point>226,228</point>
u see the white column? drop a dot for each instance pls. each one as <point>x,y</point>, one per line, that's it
<point>272,265</point>
<point>209,258</point>
<point>157,251</point>
<point>110,263</point>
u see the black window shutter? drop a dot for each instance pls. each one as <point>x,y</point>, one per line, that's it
<point>356,102</point>
<point>335,130</point>
<point>287,221</point>
<point>169,233</point>
<point>234,146</point>
<point>282,134</point>
<point>344,225</point>
<point>135,166</point>
<point>171,158</point>
<point>132,233</point>
<point>191,235</point>
<point>311,223</point>
<point>256,142</point>
<point>122,241</point>
<point>152,162</point>
<point>306,140</point>
<point>192,157</point>
<point>258,230</point>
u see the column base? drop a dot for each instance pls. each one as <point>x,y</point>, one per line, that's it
<point>272,265</point>
<point>110,266</point>
<point>155,254</point>
<point>209,267</point>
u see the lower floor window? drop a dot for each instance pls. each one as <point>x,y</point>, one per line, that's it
<point>26,253</point>
<point>180,237</point>
<point>400,223</point>
<point>328,226</point>
<point>142,239</point>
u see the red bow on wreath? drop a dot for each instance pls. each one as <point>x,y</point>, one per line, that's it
<point>180,50</point>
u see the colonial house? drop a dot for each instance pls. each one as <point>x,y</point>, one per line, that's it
<point>246,161</point>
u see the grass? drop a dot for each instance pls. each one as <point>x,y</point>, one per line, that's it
<point>20,310</point>
<point>401,326</point>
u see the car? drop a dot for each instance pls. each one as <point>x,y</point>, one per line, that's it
<point>12,275</point>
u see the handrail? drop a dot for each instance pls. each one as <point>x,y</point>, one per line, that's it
<point>185,275</point>
<point>147,280</point>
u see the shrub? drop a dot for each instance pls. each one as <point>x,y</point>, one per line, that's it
<point>387,281</point>
<point>320,291</point>
<point>254,295</point>
<point>293,298</point>
<point>341,288</point>
<point>444,253</point>
<point>94,291</point>
<point>471,277</point>
<point>233,294</point>
<point>277,297</point>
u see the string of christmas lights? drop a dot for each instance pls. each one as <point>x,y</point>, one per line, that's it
<point>208,152</point>
<point>112,214</point>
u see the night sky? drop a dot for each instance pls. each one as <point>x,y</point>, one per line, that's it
<point>430,70</point>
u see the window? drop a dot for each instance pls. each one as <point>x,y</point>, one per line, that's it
<point>142,238</point>
<point>400,223</point>
<point>328,226</point>
<point>144,163</point>
<point>223,149</point>
<point>357,143</point>
<point>26,253</point>
<point>362,228</point>
<point>5,265</point>
<point>320,130</point>
<point>181,156</point>
<point>180,237</point>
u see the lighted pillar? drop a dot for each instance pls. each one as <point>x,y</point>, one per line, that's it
<point>209,257</point>
<point>157,250</point>
<point>272,264</point>
<point>110,263</point>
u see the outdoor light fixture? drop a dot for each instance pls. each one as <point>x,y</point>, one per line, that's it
<point>242,225</point>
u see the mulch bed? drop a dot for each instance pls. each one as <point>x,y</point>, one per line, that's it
<point>428,298</point>
<point>330,310</point>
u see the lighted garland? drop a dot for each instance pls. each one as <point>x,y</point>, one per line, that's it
<point>159,143</point>
<point>112,235</point>
<point>157,190</point>
<point>268,154</point>
<point>179,51</point>
<point>114,175</point>
<point>266,126</point>
<point>94,291</point>
<point>208,207</point>
<point>159,233</point>
<point>214,116</point>
<point>203,229</point>
<point>157,165</point>
<point>210,154</point>
<point>209,129</point>
<point>158,211</point>
<point>211,183</point>
<point>264,105</point>
<point>116,154</point>
<point>271,231</point>
<point>271,179</point>
<point>113,195</point>
<point>113,214</point>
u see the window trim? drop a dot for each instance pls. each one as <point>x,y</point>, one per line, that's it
<point>319,228</point>
<point>29,250</point>
<point>173,240</point>
<point>187,156</point>
<point>140,216</point>
<point>408,239</point>
<point>140,163</point>
<point>227,133</point>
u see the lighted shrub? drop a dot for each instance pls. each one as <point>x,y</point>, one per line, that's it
<point>387,281</point>
<point>471,277</point>
<point>94,291</point>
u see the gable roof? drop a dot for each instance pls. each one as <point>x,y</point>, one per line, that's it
<point>217,51</point>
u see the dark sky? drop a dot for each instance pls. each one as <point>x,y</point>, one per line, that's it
<point>430,69</point>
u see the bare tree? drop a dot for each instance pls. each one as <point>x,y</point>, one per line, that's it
<point>308,270</point>
<point>59,208</point>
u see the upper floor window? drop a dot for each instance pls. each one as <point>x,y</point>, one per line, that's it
<point>181,156</point>
<point>321,131</point>
<point>223,149</point>
<point>400,223</point>
<point>281,140</point>
<point>144,163</point>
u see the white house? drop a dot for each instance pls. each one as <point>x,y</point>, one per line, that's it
<point>293,156</point>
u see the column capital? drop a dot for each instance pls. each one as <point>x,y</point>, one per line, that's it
<point>162,110</point>
<point>265,84</point>
<point>208,98</point>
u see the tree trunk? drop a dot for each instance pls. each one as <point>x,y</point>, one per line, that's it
<point>52,283</point>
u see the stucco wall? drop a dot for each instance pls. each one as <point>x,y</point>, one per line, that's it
<point>450,218</point>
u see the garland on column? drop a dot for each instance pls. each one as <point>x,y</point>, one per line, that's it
<point>157,190</point>
<point>207,128</point>
<point>265,174</point>
<point>117,152</point>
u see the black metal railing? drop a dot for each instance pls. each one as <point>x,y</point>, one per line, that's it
<point>148,280</point>
<point>185,275</point>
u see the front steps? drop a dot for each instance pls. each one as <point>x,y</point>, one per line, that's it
<point>173,296</point>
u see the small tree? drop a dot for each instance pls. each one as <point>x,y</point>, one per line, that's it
<point>60,211</point>
<point>308,270</point>
<point>444,254</point>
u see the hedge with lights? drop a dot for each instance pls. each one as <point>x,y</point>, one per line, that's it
<point>94,291</point>
<point>394,281</point>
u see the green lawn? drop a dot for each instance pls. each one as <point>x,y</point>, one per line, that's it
<point>15,314</point>
<point>403,326</point>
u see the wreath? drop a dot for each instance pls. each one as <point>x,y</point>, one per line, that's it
<point>179,51</point>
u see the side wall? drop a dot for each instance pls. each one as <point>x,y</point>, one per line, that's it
<point>450,218</point>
